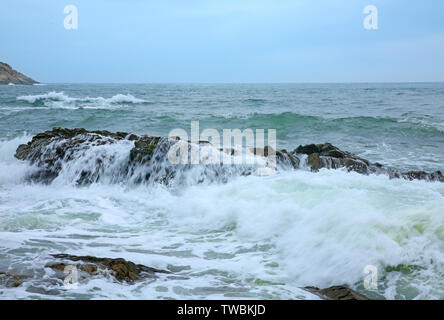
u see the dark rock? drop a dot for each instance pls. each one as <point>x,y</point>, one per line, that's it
<point>314,160</point>
<point>143,148</point>
<point>356,165</point>
<point>38,149</point>
<point>308,149</point>
<point>325,150</point>
<point>283,157</point>
<point>121,269</point>
<point>11,279</point>
<point>337,293</point>
<point>422,175</point>
<point>49,151</point>
<point>330,157</point>
<point>147,161</point>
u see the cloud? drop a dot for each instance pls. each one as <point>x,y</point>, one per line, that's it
<point>224,41</point>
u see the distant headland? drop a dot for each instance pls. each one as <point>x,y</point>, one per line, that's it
<point>10,76</point>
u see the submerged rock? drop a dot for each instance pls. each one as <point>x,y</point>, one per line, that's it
<point>145,159</point>
<point>10,279</point>
<point>120,269</point>
<point>337,293</point>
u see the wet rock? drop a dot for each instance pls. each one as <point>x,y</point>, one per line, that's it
<point>39,150</point>
<point>326,150</point>
<point>147,160</point>
<point>337,293</point>
<point>422,175</point>
<point>50,150</point>
<point>283,157</point>
<point>10,279</point>
<point>143,148</point>
<point>330,157</point>
<point>314,160</point>
<point>308,149</point>
<point>121,269</point>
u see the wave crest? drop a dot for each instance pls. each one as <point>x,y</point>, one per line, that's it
<point>55,99</point>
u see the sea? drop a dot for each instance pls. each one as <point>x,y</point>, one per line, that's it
<point>244,237</point>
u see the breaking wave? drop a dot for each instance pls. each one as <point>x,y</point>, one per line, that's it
<point>225,233</point>
<point>55,99</point>
<point>278,232</point>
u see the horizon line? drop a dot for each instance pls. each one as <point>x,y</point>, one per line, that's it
<point>259,82</point>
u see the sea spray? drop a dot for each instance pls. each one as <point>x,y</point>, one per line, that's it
<point>251,237</point>
<point>282,232</point>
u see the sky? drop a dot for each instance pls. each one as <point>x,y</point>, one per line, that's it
<point>212,41</point>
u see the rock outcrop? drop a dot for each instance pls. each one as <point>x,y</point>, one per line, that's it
<point>330,157</point>
<point>10,279</point>
<point>120,269</point>
<point>128,272</point>
<point>9,75</point>
<point>147,159</point>
<point>49,150</point>
<point>337,293</point>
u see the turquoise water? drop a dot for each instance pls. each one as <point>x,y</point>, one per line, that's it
<point>398,124</point>
<point>253,237</point>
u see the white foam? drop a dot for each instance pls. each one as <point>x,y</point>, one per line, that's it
<point>55,99</point>
<point>11,169</point>
<point>251,237</point>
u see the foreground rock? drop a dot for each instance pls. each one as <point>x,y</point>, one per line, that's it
<point>146,160</point>
<point>9,75</point>
<point>11,279</point>
<point>337,293</point>
<point>120,269</point>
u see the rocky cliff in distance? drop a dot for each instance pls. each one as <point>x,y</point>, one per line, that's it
<point>9,75</point>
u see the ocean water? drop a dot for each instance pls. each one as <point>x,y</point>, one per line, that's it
<point>251,237</point>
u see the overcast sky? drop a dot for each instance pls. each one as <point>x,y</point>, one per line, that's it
<point>224,41</point>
